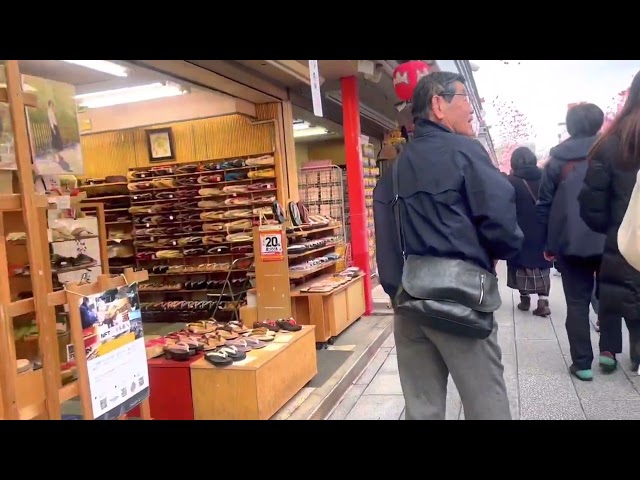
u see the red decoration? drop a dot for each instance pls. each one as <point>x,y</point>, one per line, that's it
<point>406,77</point>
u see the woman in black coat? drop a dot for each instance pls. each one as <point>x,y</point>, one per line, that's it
<point>528,272</point>
<point>614,162</point>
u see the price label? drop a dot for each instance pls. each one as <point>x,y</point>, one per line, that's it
<point>271,246</point>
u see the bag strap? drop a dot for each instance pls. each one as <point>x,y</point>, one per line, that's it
<point>526,184</point>
<point>396,206</point>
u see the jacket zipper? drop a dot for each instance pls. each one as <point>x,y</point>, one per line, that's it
<point>481,289</point>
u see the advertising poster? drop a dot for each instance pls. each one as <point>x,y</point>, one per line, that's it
<point>116,355</point>
<point>7,153</point>
<point>53,128</point>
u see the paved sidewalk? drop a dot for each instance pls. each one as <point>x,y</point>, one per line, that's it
<point>536,358</point>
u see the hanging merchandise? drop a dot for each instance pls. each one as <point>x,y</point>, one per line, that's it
<point>406,76</point>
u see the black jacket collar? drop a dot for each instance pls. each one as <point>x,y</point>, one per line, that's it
<point>424,127</point>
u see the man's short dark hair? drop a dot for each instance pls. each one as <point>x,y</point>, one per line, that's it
<point>523,157</point>
<point>584,120</point>
<point>436,83</point>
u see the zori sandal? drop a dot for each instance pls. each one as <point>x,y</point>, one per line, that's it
<point>218,359</point>
<point>240,344</point>
<point>288,325</point>
<point>178,351</point>
<point>261,334</point>
<point>226,334</point>
<point>254,343</point>
<point>212,342</point>
<point>232,352</point>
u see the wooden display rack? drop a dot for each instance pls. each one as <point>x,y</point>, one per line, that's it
<point>37,393</point>
<point>329,312</point>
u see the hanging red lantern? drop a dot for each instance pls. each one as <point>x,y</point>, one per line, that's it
<point>406,76</point>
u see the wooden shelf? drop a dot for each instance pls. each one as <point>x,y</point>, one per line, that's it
<point>10,202</point>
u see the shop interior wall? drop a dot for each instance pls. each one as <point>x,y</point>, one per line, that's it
<point>332,149</point>
<point>223,136</point>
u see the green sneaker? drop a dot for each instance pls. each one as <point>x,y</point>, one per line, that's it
<point>584,375</point>
<point>607,362</point>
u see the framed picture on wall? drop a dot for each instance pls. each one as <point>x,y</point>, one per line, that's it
<point>160,143</point>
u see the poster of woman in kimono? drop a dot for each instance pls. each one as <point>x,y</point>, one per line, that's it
<point>53,128</point>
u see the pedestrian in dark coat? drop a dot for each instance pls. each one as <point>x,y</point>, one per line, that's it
<point>614,162</point>
<point>529,272</point>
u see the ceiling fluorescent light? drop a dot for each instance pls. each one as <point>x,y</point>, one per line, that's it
<point>310,132</point>
<point>101,66</point>
<point>120,96</point>
<point>302,125</point>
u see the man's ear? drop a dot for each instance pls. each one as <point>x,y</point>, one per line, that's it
<point>436,108</point>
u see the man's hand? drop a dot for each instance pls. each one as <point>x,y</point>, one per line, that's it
<point>549,257</point>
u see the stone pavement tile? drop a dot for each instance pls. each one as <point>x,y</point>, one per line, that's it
<point>387,380</point>
<point>454,403</point>
<point>551,397</point>
<point>377,407</point>
<point>347,402</point>
<point>540,357</point>
<point>530,327</point>
<point>612,409</point>
<point>374,365</point>
<point>504,315</point>
<point>393,352</point>
<point>511,381</point>
<point>606,387</point>
<point>403,413</point>
<point>389,342</point>
<point>506,340</point>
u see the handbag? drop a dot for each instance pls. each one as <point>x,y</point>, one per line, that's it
<point>629,231</point>
<point>450,295</point>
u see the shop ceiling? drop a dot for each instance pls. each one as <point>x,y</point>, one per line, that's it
<point>377,97</point>
<point>258,81</point>
<point>85,79</point>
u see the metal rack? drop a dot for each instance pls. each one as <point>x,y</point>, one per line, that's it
<point>322,191</point>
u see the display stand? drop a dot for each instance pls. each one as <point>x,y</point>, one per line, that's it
<point>257,387</point>
<point>35,393</point>
<point>74,294</point>
<point>272,271</point>
<point>330,312</point>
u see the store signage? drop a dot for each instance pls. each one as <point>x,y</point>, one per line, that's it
<point>271,249</point>
<point>314,75</point>
<point>116,354</point>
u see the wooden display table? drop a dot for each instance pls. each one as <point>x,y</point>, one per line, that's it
<point>330,312</point>
<point>258,386</point>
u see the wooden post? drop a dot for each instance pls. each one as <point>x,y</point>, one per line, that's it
<point>39,264</point>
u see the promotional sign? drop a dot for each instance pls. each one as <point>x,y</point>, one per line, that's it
<point>271,249</point>
<point>116,355</point>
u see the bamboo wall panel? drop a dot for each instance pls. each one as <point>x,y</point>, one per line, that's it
<point>109,153</point>
<point>113,153</point>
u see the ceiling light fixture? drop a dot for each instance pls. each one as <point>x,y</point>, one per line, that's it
<point>120,96</point>
<point>300,125</point>
<point>102,66</point>
<point>310,132</point>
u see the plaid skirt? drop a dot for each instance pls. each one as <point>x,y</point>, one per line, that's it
<point>529,280</point>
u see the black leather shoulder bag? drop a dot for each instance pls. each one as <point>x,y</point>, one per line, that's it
<point>449,295</point>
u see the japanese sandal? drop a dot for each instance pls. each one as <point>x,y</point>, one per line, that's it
<point>232,352</point>
<point>218,359</point>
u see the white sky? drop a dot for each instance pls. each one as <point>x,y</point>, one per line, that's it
<point>541,89</point>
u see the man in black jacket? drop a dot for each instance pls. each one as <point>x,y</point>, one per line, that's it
<point>457,205</point>
<point>577,249</point>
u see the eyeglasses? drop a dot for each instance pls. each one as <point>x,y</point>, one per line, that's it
<point>451,95</point>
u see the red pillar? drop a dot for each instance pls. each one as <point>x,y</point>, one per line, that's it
<point>355,183</point>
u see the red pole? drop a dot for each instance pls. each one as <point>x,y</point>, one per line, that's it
<point>355,183</point>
